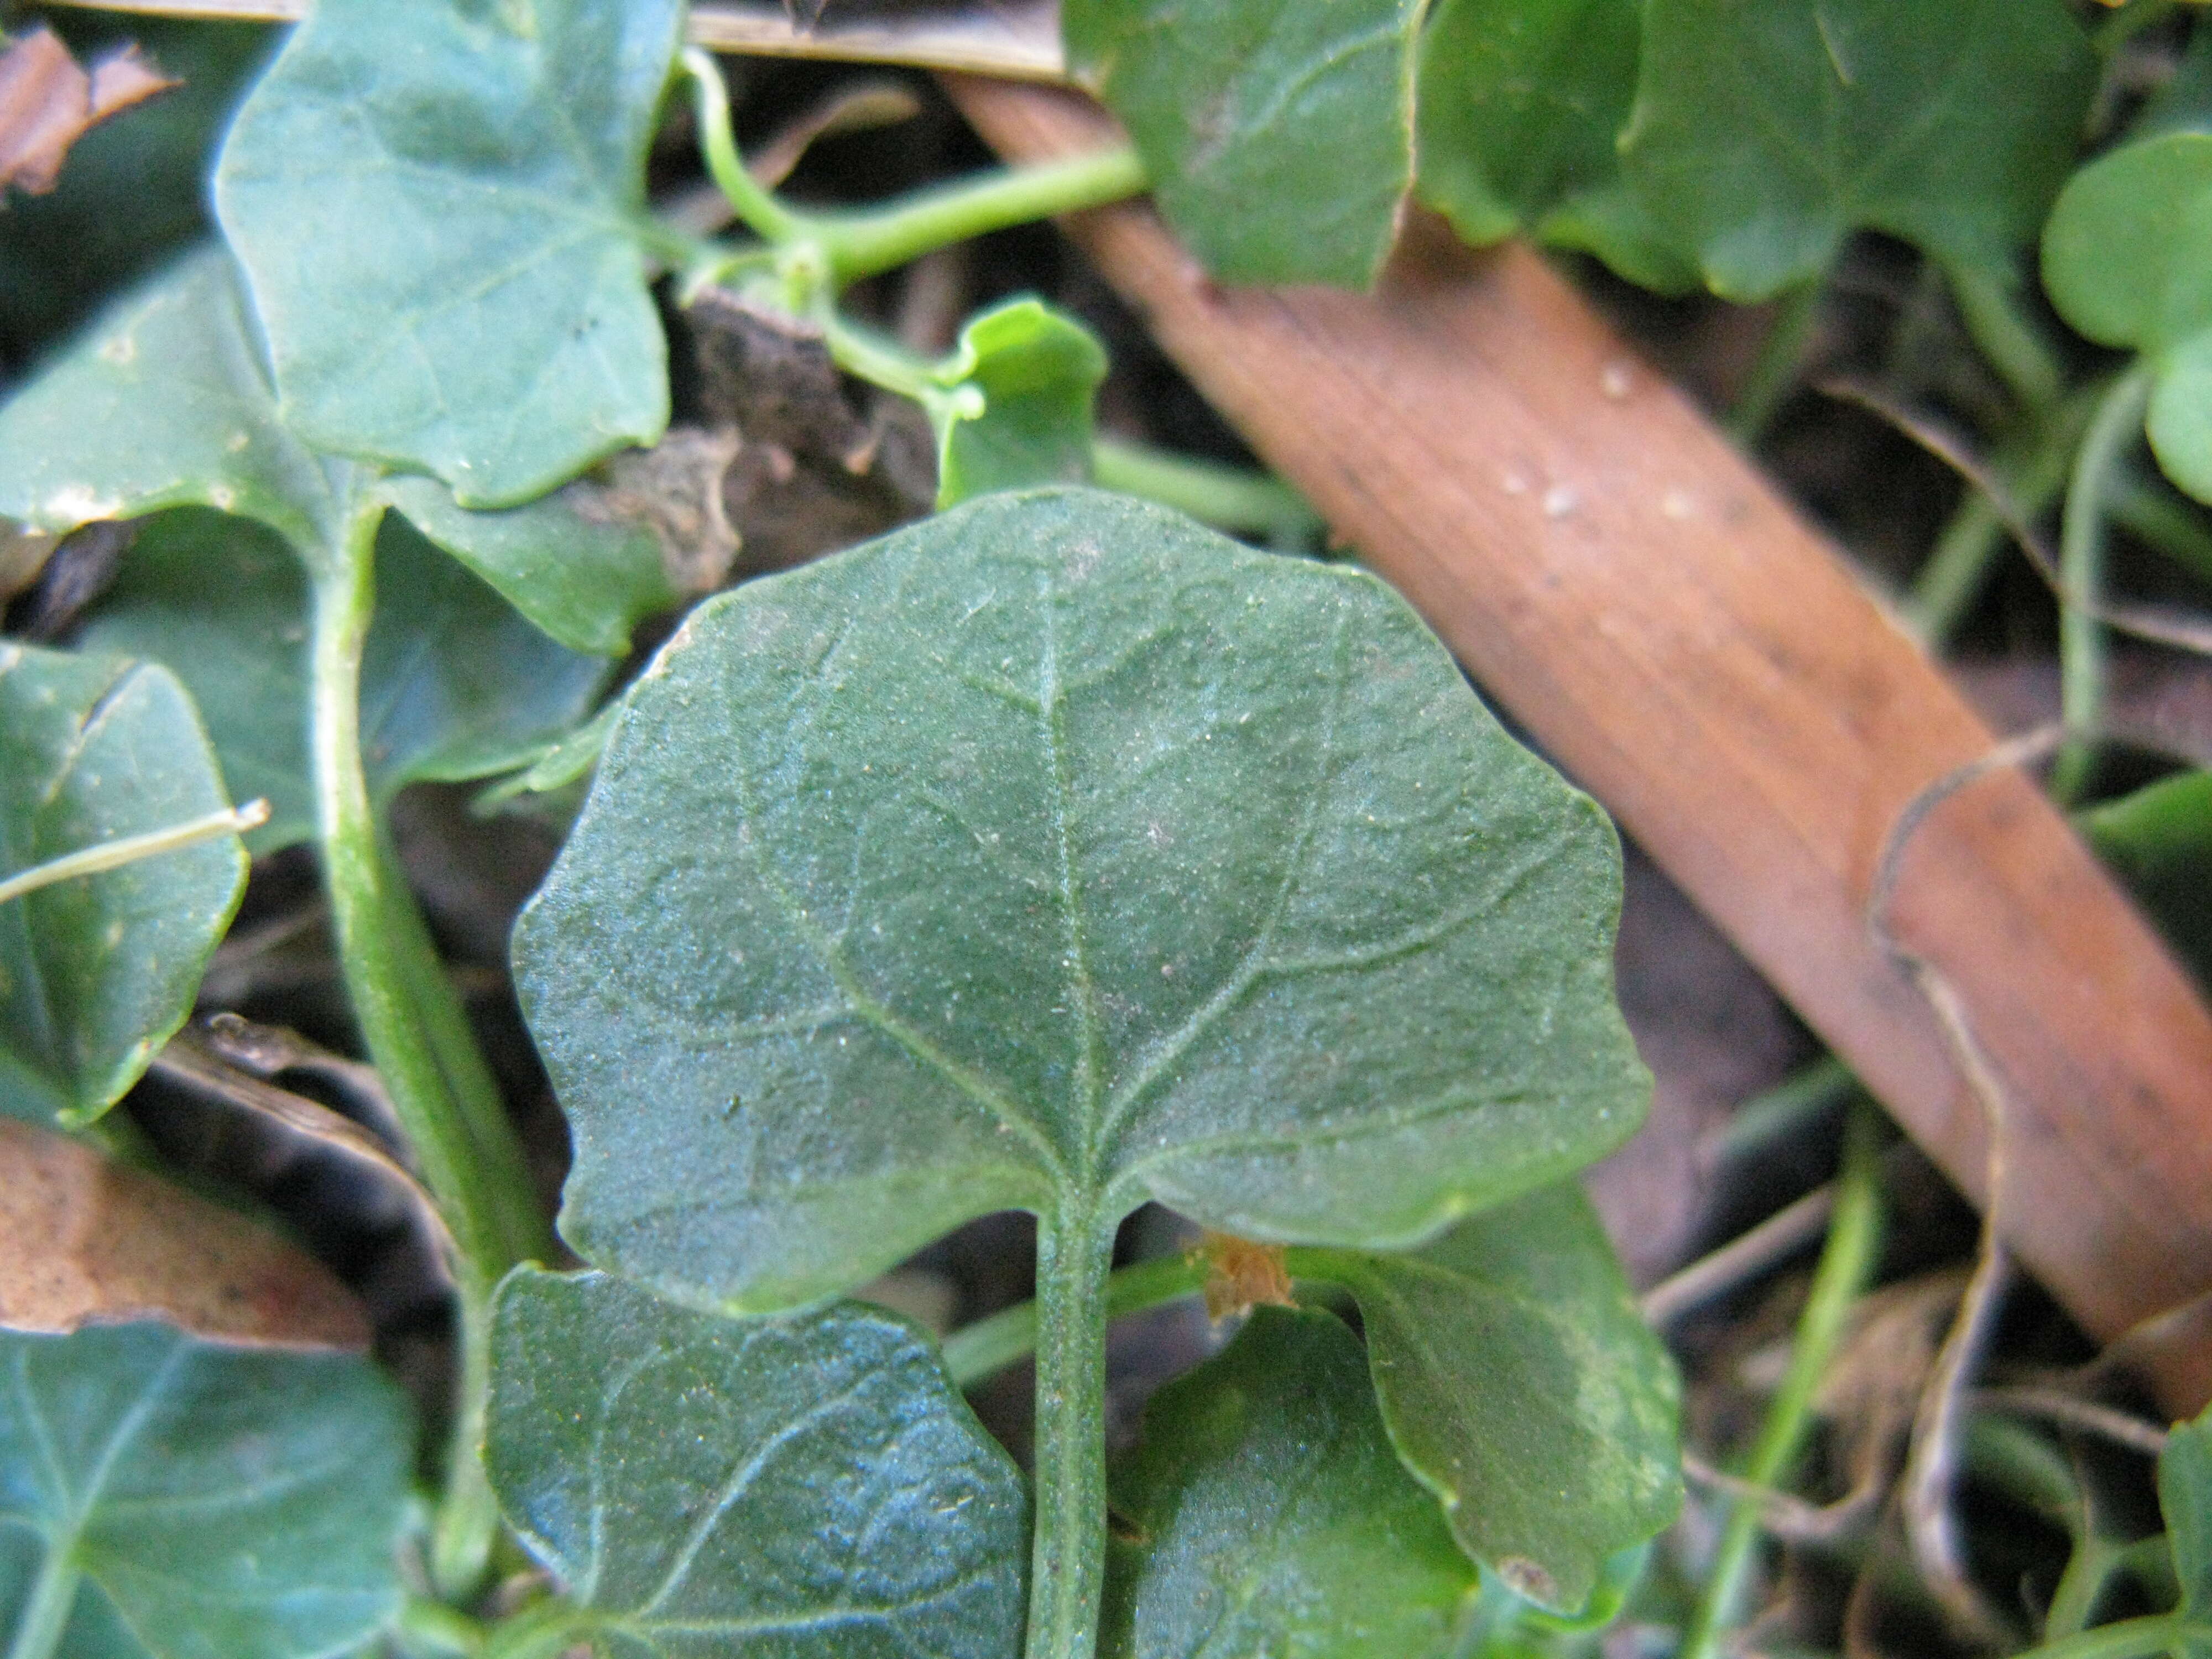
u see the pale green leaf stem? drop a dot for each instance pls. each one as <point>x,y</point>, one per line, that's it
<point>414,1032</point>
<point>2082,646</point>
<point>129,849</point>
<point>1846,1262</point>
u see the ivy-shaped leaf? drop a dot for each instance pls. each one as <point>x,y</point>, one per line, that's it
<point>454,685</point>
<point>1264,1513</point>
<point>787,1487</point>
<point>1766,131</point>
<point>1519,110</point>
<point>440,208</point>
<point>1520,1384</point>
<point>1278,133</point>
<point>1037,372</point>
<point>98,972</point>
<point>2154,200</point>
<point>163,1498</point>
<point>1057,853</point>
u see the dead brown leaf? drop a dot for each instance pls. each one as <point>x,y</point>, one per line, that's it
<point>84,1240</point>
<point>47,102</point>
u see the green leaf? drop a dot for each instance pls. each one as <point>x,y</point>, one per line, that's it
<point>163,403</point>
<point>2157,196</point>
<point>1766,131</point>
<point>1519,109</point>
<point>454,685</point>
<point>1037,372</point>
<point>1521,1385</point>
<point>584,581</point>
<point>440,208</point>
<point>184,1500</point>
<point>1278,133</point>
<point>1057,853</point>
<point>98,972</point>
<point>1271,1517</point>
<point>2158,839</point>
<point>787,1487</point>
<point>2184,1496</point>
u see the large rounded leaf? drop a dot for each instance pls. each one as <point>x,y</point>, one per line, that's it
<point>787,1488</point>
<point>166,1497</point>
<point>1057,853</point>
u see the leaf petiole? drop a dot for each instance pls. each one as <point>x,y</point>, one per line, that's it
<point>47,1612</point>
<point>1067,1562</point>
<point>421,1047</point>
<point>129,849</point>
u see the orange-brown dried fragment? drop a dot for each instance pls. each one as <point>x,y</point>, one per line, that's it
<point>48,101</point>
<point>1242,1275</point>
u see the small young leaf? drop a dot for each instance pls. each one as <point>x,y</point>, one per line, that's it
<point>1056,853</point>
<point>2153,199</point>
<point>439,208</point>
<point>1278,133</point>
<point>454,685</point>
<point>586,582</point>
<point>1520,1384</point>
<point>1764,130</point>
<point>1038,372</point>
<point>192,1501</point>
<point>96,973</point>
<point>787,1487</point>
<point>1270,1515</point>
<point>163,403</point>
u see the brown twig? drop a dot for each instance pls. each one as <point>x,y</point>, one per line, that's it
<point>1743,1257</point>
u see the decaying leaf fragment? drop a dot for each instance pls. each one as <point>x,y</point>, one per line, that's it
<point>96,1243</point>
<point>48,101</point>
<point>1242,1275</point>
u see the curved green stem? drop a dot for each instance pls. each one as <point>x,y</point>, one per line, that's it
<point>1853,1238</point>
<point>1068,1560</point>
<point>485,1208</point>
<point>763,213</point>
<point>991,1345</point>
<point>2114,430</point>
<point>1229,498</point>
<point>1781,355</point>
<point>2032,472</point>
<point>863,244</point>
<point>1988,304</point>
<point>46,1610</point>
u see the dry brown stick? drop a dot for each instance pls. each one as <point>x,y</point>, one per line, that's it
<point>1745,1256</point>
<point>1654,613</point>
